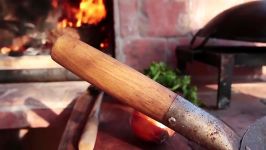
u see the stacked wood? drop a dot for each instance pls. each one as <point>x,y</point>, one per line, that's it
<point>73,128</point>
<point>88,137</point>
<point>82,126</point>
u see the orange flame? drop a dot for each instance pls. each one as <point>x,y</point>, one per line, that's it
<point>89,12</point>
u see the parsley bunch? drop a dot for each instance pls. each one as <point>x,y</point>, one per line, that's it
<point>172,79</point>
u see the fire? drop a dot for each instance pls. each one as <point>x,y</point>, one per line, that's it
<point>89,12</point>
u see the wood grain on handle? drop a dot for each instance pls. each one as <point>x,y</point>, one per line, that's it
<point>113,77</point>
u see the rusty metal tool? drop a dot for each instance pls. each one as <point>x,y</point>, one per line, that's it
<point>143,94</point>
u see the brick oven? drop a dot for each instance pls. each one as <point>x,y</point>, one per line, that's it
<point>27,29</point>
<point>139,32</point>
<point>136,32</point>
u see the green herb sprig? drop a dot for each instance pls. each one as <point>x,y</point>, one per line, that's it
<point>172,79</point>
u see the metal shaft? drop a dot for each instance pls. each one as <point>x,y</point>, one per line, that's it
<point>199,126</point>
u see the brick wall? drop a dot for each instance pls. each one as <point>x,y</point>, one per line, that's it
<point>149,30</point>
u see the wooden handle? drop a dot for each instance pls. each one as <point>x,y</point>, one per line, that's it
<point>113,77</point>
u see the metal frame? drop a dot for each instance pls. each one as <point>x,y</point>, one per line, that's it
<point>224,59</point>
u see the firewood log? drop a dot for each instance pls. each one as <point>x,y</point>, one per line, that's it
<point>89,135</point>
<point>72,130</point>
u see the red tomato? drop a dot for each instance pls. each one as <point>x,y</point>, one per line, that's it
<point>148,129</point>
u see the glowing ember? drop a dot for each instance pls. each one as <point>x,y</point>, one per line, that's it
<point>17,45</point>
<point>5,50</point>
<point>104,44</point>
<point>55,3</point>
<point>65,23</point>
<point>89,12</point>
